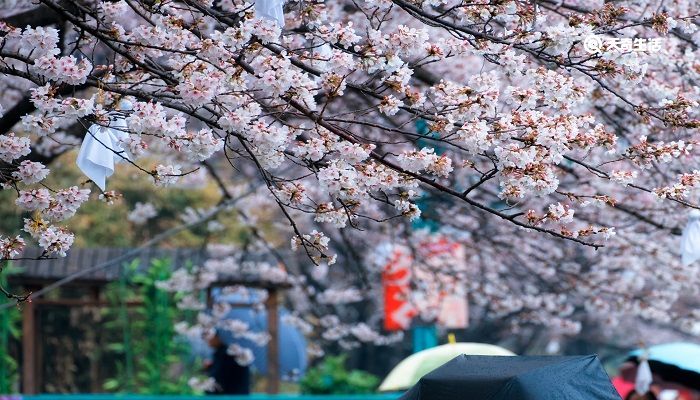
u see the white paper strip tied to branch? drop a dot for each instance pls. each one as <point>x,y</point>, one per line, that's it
<point>642,382</point>
<point>101,148</point>
<point>690,242</point>
<point>271,9</point>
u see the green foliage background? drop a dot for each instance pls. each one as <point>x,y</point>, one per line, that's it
<point>332,377</point>
<point>9,330</point>
<point>152,358</point>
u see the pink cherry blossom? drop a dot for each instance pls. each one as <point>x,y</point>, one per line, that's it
<point>13,147</point>
<point>30,172</point>
<point>141,213</point>
<point>34,199</point>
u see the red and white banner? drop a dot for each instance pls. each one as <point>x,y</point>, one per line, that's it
<point>396,279</point>
<point>437,292</point>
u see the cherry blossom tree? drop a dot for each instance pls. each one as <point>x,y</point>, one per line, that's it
<point>564,171</point>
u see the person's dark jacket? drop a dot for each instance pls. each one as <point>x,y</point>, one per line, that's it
<point>230,377</point>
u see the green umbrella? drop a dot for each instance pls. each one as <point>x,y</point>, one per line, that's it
<point>411,369</point>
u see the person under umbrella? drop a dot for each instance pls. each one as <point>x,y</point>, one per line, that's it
<point>230,376</point>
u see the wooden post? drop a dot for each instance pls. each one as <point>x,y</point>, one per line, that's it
<point>273,367</point>
<point>28,349</point>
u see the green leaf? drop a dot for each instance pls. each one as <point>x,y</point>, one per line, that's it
<point>111,384</point>
<point>116,347</point>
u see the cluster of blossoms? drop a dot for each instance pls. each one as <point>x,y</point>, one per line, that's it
<point>11,247</point>
<point>425,160</point>
<point>64,69</point>
<point>317,243</point>
<point>645,153</point>
<point>141,213</point>
<point>682,189</point>
<point>62,205</point>
<point>350,336</point>
<point>13,147</point>
<point>30,172</point>
<point>329,214</point>
<point>151,117</point>
<point>339,296</point>
<point>166,175</point>
<point>52,239</point>
<point>39,41</point>
<point>47,207</point>
<point>202,384</point>
<point>556,212</point>
<point>623,177</point>
<point>57,206</point>
<point>243,355</point>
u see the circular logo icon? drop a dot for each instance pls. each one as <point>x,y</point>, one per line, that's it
<point>593,44</point>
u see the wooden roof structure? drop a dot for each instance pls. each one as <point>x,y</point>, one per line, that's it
<point>79,259</point>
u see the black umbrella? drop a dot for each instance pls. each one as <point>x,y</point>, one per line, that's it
<point>516,378</point>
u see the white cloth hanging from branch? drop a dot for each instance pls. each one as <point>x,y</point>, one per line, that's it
<point>690,242</point>
<point>271,9</point>
<point>643,380</point>
<point>102,149</point>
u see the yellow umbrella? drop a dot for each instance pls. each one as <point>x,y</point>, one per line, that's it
<point>411,369</point>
